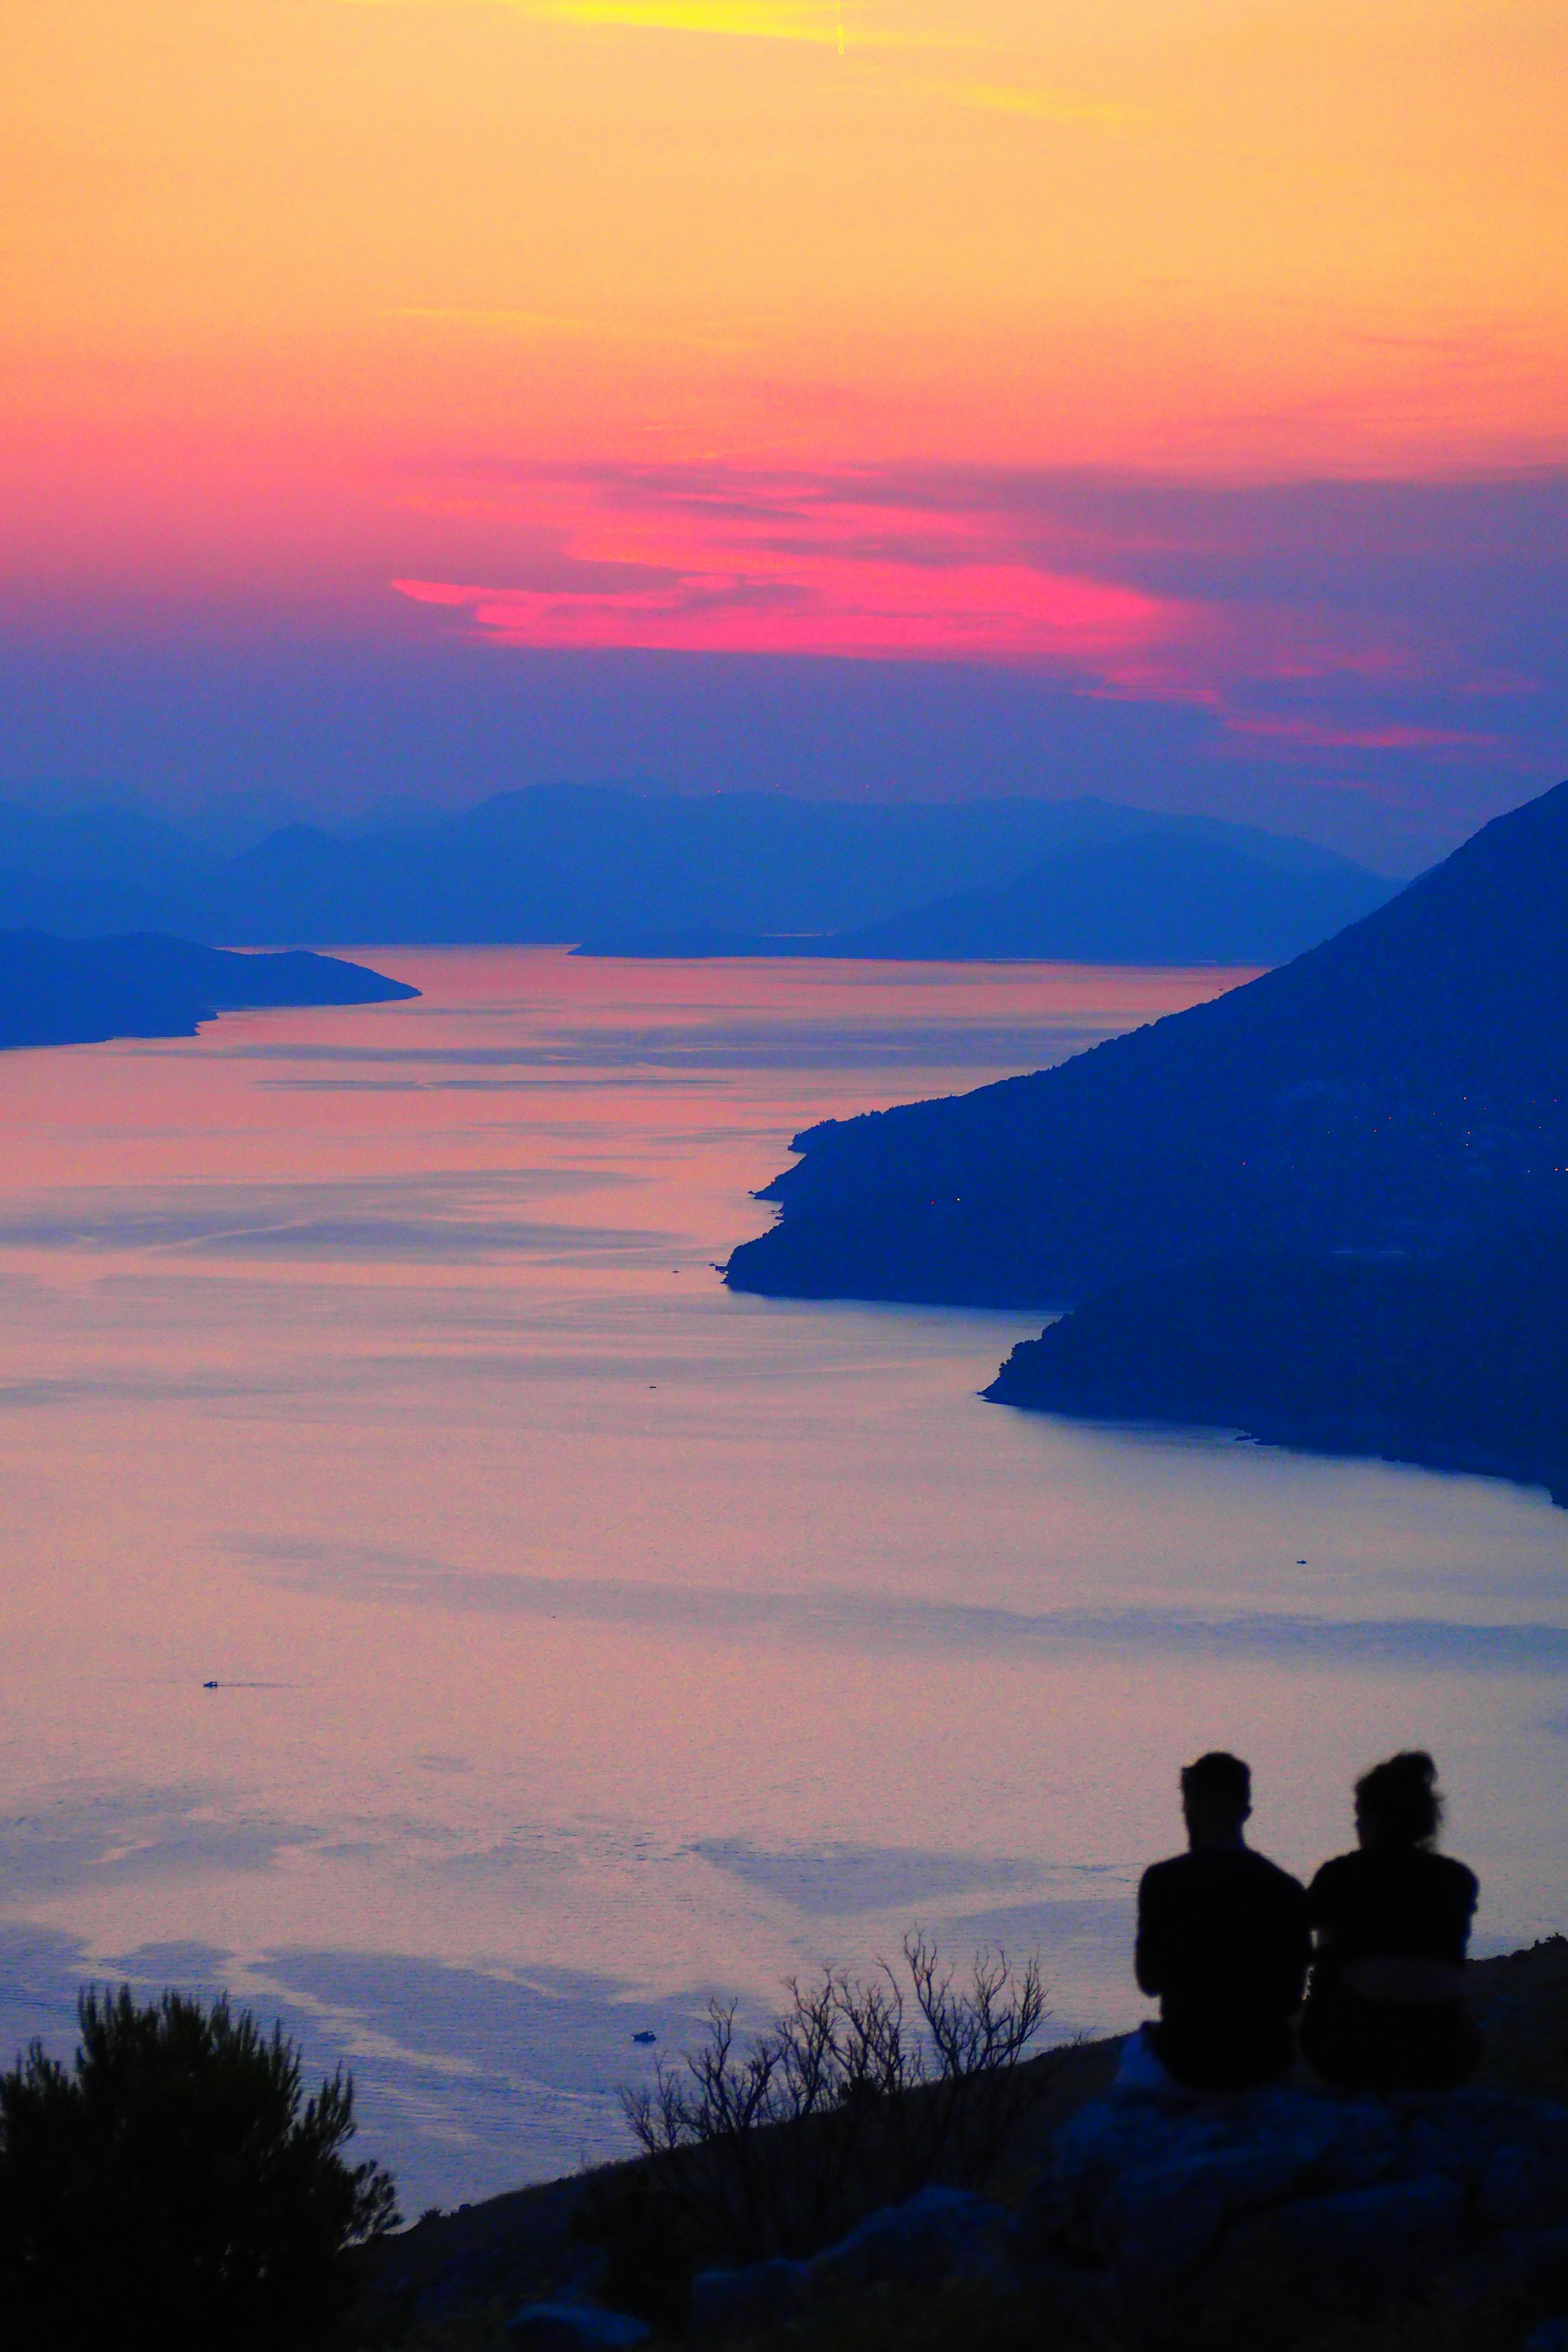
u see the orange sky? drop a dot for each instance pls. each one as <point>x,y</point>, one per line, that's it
<point>313,297</point>
<point>1166,231</point>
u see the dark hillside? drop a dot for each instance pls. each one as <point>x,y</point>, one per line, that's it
<point>1460,1364</point>
<point>1400,1086</point>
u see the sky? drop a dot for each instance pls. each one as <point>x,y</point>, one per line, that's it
<point>897,398</point>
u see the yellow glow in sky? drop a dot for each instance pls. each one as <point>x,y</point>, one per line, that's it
<point>301,250</point>
<point>756,20</point>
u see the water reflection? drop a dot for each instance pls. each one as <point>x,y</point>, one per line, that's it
<point>586,1638</point>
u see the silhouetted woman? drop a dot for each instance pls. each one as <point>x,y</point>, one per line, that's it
<point>1390,1922</point>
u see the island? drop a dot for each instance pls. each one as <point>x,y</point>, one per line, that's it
<point>84,991</point>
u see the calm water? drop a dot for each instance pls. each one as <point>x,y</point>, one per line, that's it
<point>589,1639</point>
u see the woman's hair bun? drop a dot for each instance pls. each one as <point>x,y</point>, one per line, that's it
<point>1402,1795</point>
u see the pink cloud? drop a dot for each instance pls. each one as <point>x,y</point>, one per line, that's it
<point>1319,736</point>
<point>1170,597</point>
<point>852,609</point>
<point>687,561</point>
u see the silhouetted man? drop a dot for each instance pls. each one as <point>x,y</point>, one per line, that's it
<point>1223,1939</point>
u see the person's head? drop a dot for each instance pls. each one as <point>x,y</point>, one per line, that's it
<point>1397,1803</point>
<point>1216,1798</point>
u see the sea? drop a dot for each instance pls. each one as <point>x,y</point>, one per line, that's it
<point>437,1613</point>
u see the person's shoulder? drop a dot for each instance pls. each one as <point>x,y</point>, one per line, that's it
<point>1455,1875</point>
<point>1337,1874</point>
<point>1161,1875</point>
<point>1269,1873</point>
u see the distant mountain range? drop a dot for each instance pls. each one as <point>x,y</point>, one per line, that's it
<point>641,872</point>
<point>1400,1086</point>
<point>82,991</point>
<point>1155,898</point>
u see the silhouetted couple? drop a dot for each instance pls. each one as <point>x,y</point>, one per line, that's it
<point>1225,1938</point>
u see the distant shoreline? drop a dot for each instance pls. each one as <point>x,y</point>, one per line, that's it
<point>1325,1442</point>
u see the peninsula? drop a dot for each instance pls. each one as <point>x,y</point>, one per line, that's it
<point>1397,1088</point>
<point>1329,1208</point>
<point>1459,1363</point>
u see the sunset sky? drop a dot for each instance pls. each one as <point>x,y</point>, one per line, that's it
<point>1161,397</point>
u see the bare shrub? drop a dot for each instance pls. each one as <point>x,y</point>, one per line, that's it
<point>862,2092</point>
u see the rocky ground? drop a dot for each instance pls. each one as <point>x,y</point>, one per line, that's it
<point>1436,2225</point>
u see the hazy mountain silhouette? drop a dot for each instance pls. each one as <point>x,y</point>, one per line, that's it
<point>89,871</point>
<point>1155,899</point>
<point>1462,1363</point>
<point>567,862</point>
<point>1151,898</point>
<point>1399,1087</point>
<point>80,991</point>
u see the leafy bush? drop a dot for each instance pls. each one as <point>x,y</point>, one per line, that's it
<point>862,2091</point>
<point>172,2188</point>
